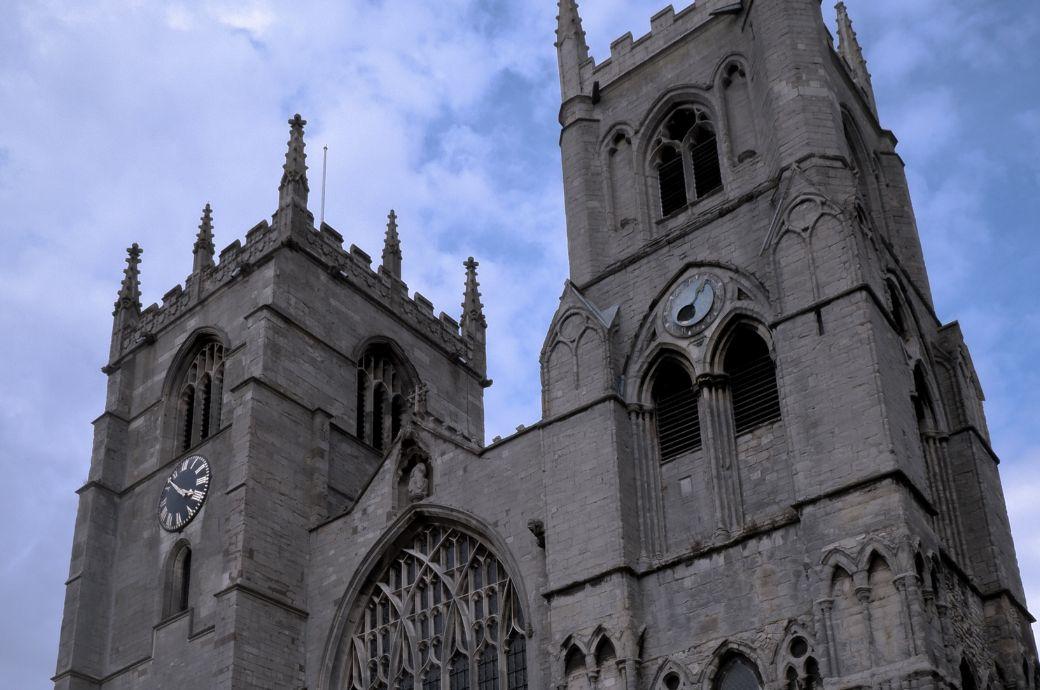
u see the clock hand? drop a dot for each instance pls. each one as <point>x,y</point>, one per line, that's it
<point>182,492</point>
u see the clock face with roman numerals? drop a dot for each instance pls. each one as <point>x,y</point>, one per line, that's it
<point>183,494</point>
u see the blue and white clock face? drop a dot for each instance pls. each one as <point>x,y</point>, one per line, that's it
<point>693,305</point>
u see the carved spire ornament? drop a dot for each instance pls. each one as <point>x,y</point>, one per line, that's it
<point>571,48</point>
<point>852,54</point>
<point>293,189</point>
<point>392,247</point>
<point>130,289</point>
<point>474,325</point>
<point>204,249</point>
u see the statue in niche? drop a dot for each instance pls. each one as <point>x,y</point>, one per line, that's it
<point>418,483</point>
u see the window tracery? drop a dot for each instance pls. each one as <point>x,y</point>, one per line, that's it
<point>383,386</point>
<point>443,614</point>
<point>737,673</point>
<point>752,375</point>
<point>200,396</point>
<point>686,158</point>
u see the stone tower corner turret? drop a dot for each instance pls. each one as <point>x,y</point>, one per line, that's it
<point>474,325</point>
<point>392,247</point>
<point>852,54</point>
<point>128,303</point>
<point>204,250</point>
<point>571,48</point>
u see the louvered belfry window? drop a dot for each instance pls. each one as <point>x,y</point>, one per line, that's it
<point>675,406</point>
<point>752,381</point>
<point>686,158</point>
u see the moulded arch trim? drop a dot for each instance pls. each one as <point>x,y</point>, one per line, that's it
<point>849,121</point>
<point>837,558</point>
<point>168,585</point>
<point>396,350</point>
<point>337,650</point>
<point>187,351</point>
<point>598,636</point>
<point>552,336</point>
<point>620,127</point>
<point>722,338</point>
<point>667,668</point>
<point>573,642</point>
<point>652,360</point>
<point>662,107</point>
<point>723,653</point>
<point>636,360</point>
<point>876,549</point>
<point>792,630</point>
<point>718,73</point>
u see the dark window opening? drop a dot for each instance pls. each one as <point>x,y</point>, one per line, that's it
<point>487,669</point>
<point>752,378</point>
<point>396,415</point>
<point>704,152</point>
<point>459,678</point>
<point>672,181</point>
<point>362,404</point>
<point>672,681</point>
<point>207,397</point>
<point>737,674</point>
<point>516,663</point>
<point>967,677</point>
<point>675,404</point>
<point>187,416</point>
<point>185,580</point>
<point>432,681</point>
<point>898,315</point>
<point>378,406</point>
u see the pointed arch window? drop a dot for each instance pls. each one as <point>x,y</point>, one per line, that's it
<point>686,158</point>
<point>675,405</point>
<point>200,394</point>
<point>752,380</point>
<point>436,617</point>
<point>737,673</point>
<point>383,387</point>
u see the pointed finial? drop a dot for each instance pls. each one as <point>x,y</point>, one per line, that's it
<point>571,48</point>
<point>130,289</point>
<point>392,247</point>
<point>294,187</point>
<point>204,249</point>
<point>472,309</point>
<point>851,52</point>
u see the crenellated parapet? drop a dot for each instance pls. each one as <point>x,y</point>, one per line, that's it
<point>382,285</point>
<point>666,27</point>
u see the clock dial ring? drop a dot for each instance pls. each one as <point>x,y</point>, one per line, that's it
<point>693,305</point>
<point>184,493</point>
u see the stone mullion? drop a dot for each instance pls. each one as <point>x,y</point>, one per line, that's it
<point>825,609</point>
<point>952,515</point>
<point>863,593</point>
<point>913,619</point>
<point>648,468</point>
<point>716,413</point>
<point>936,460</point>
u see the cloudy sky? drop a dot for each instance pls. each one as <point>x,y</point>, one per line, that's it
<point>124,117</point>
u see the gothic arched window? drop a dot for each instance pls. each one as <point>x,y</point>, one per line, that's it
<point>382,388</point>
<point>686,158</point>
<point>737,673</point>
<point>443,615</point>
<point>178,581</point>
<point>752,380</point>
<point>675,407</point>
<point>200,395</point>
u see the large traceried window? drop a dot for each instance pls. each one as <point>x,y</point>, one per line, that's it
<point>382,388</point>
<point>200,396</point>
<point>443,615</point>
<point>686,158</point>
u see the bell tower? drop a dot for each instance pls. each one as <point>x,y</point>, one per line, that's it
<point>748,311</point>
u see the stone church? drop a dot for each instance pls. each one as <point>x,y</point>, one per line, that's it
<point>762,464</point>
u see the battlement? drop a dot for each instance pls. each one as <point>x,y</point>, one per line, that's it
<point>666,27</point>
<point>353,266</point>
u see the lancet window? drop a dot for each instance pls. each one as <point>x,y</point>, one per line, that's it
<point>178,581</point>
<point>675,408</point>
<point>200,396</point>
<point>443,615</point>
<point>382,389</point>
<point>752,376</point>
<point>686,159</point>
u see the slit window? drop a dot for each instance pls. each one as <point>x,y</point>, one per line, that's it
<point>752,379</point>
<point>675,407</point>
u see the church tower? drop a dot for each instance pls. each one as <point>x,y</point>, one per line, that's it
<point>762,464</point>
<point>782,448</point>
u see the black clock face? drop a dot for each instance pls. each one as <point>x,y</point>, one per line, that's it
<point>183,494</point>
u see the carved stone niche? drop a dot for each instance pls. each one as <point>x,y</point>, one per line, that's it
<point>414,474</point>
